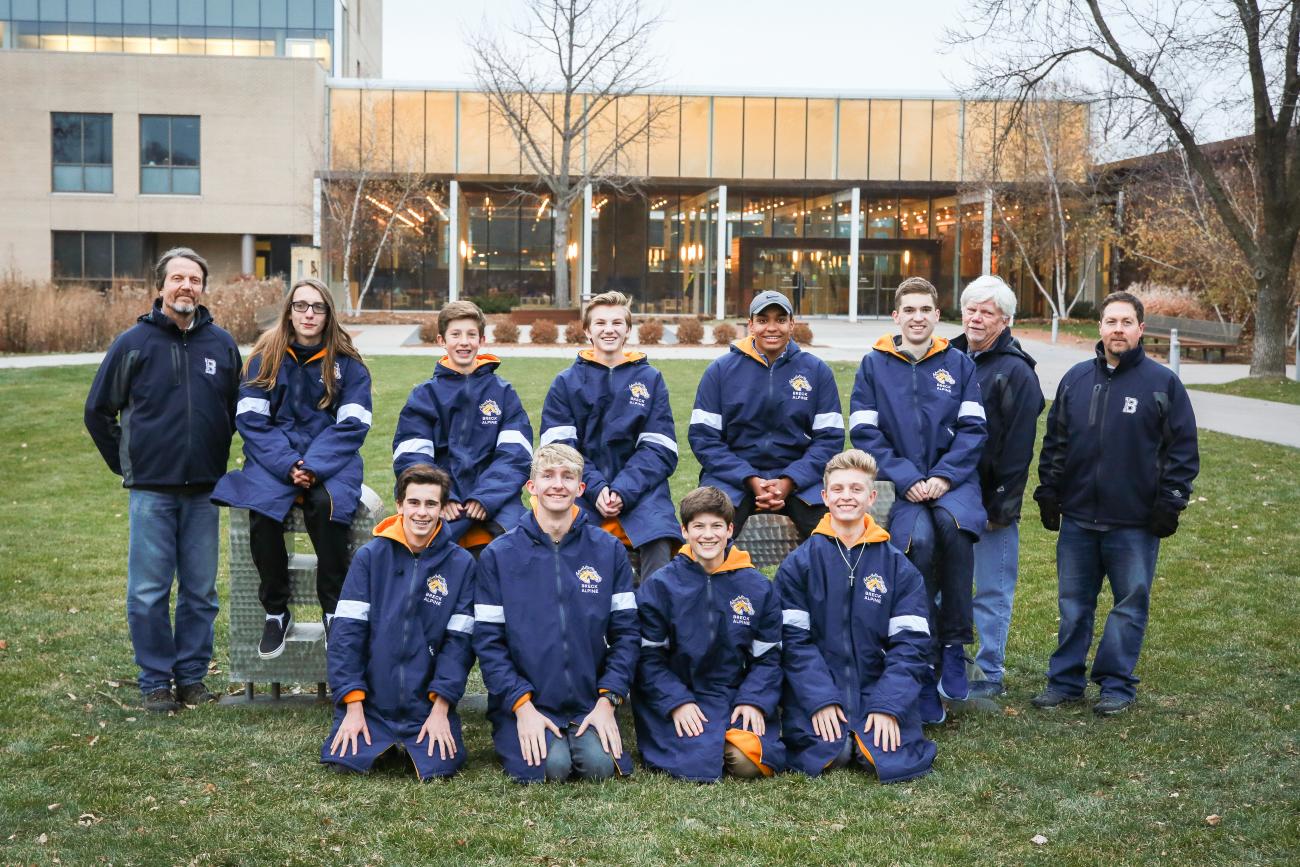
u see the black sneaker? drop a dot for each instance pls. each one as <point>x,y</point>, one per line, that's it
<point>161,700</point>
<point>274,634</point>
<point>192,694</point>
<point>1050,699</point>
<point>1110,705</point>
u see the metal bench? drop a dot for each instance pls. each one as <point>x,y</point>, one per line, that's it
<point>1204,335</point>
<point>303,659</point>
<point>767,537</point>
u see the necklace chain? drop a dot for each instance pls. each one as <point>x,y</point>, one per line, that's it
<point>852,567</point>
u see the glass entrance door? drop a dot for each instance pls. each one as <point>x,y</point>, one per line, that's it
<point>815,280</point>
<point>880,272</point>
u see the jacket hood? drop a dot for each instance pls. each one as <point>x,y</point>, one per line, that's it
<point>483,362</point>
<point>294,351</point>
<point>735,559</point>
<point>1132,358</point>
<point>530,525</point>
<point>1006,344</point>
<point>158,318</point>
<point>589,356</point>
<point>874,532</point>
<point>391,528</point>
<point>891,343</point>
<point>745,346</point>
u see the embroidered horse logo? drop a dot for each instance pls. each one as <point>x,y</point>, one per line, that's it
<point>800,383</point>
<point>489,408</point>
<point>589,576</point>
<point>437,585</point>
<point>742,605</point>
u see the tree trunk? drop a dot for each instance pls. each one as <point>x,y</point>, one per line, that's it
<point>1268,358</point>
<point>560,248</point>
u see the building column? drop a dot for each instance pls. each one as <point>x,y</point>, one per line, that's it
<point>720,289</point>
<point>247,255</point>
<point>855,229</point>
<point>987,266</point>
<point>455,256</point>
<point>584,261</point>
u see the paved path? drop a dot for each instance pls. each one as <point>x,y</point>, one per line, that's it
<point>840,340</point>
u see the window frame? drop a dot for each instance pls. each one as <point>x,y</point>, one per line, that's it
<point>55,165</point>
<point>169,165</point>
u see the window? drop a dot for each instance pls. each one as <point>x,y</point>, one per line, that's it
<point>169,154</point>
<point>83,152</point>
<point>99,258</point>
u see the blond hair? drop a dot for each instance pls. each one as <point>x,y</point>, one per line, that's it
<point>556,455</point>
<point>850,459</point>
<point>607,299</point>
<point>454,310</point>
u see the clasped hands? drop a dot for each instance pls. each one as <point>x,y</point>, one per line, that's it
<point>928,489</point>
<point>770,494</point>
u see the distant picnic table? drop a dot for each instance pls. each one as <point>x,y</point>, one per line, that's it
<point>1205,335</point>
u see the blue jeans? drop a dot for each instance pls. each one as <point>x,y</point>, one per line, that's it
<point>1127,556</point>
<point>171,535</point>
<point>583,757</point>
<point>997,555</point>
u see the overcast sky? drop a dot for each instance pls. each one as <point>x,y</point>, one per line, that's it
<point>799,45</point>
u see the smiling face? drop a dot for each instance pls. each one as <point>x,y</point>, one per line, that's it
<point>462,341</point>
<point>982,321</point>
<point>308,324</point>
<point>707,534</point>
<point>916,317</point>
<point>556,487</point>
<point>1120,330</point>
<point>420,507</point>
<point>848,493</point>
<point>607,328</point>
<point>183,284</point>
<point>771,328</point>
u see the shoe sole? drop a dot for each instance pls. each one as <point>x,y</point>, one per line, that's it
<point>273,654</point>
<point>1115,712</point>
<point>1078,700</point>
<point>943,695</point>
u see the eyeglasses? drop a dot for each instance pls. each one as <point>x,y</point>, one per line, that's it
<point>301,307</point>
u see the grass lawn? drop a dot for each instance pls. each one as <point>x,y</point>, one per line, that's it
<point>1279,390</point>
<point>88,776</point>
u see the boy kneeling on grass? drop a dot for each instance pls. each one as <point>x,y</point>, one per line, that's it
<point>709,679</point>
<point>399,650</point>
<point>855,638</point>
<point>556,633</point>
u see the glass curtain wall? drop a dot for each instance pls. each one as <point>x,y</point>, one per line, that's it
<point>243,28</point>
<point>508,259</point>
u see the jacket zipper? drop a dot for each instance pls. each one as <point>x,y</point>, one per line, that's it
<point>1100,391</point>
<point>564,630</point>
<point>850,681</point>
<point>189,404</point>
<point>406,632</point>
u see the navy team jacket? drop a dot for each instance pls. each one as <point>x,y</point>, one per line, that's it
<point>619,419</point>
<point>714,640</point>
<point>474,427</point>
<point>402,630</point>
<point>858,639</point>
<point>1120,441</point>
<point>554,621</point>
<point>162,407</point>
<point>285,424</point>
<point>752,418</point>
<point>920,419</point>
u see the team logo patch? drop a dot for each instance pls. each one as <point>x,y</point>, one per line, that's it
<point>437,589</point>
<point>338,373</point>
<point>1130,405</point>
<point>640,394</point>
<point>741,610</point>
<point>491,412</point>
<point>800,387</point>
<point>590,579</point>
<point>210,366</point>
<point>943,380</point>
<point>874,588</point>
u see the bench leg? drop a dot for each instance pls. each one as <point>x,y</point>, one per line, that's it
<point>249,690</point>
<point>320,693</point>
<point>275,691</point>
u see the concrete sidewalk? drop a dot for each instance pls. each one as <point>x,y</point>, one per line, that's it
<point>841,340</point>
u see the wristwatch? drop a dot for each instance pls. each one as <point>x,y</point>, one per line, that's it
<point>613,698</point>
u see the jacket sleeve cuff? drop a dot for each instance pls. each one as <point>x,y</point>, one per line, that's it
<point>523,700</point>
<point>354,696</point>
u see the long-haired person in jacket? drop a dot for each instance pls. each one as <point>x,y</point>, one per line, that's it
<point>612,406</point>
<point>304,412</point>
<point>1115,473</point>
<point>400,649</point>
<point>1013,400</point>
<point>161,412</point>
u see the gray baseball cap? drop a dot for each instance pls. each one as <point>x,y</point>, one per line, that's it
<point>763,300</point>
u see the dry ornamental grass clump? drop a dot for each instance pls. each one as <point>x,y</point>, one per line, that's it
<point>504,330</point>
<point>234,304</point>
<point>802,334</point>
<point>1161,300</point>
<point>545,332</point>
<point>724,333</point>
<point>573,332</point>
<point>429,331</point>
<point>690,332</point>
